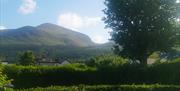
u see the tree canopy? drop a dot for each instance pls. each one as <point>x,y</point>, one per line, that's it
<point>141,27</point>
<point>27,58</point>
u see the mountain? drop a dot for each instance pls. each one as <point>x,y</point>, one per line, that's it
<point>44,34</point>
<point>51,40</point>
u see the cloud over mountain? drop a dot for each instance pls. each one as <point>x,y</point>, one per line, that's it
<point>2,28</point>
<point>75,21</point>
<point>27,7</point>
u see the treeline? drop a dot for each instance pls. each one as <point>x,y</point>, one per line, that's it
<point>75,74</point>
<point>11,52</point>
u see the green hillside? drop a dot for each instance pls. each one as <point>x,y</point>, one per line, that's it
<point>45,34</point>
<point>49,38</point>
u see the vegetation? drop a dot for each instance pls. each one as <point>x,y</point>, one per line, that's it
<point>59,43</point>
<point>75,74</point>
<point>46,76</point>
<point>155,87</point>
<point>106,61</point>
<point>142,27</point>
<point>27,58</point>
<point>43,35</point>
<point>70,52</point>
<point>3,80</point>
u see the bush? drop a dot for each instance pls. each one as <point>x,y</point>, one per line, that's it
<point>3,80</point>
<point>75,74</point>
<point>108,88</point>
<point>167,72</point>
<point>107,61</point>
<point>33,76</point>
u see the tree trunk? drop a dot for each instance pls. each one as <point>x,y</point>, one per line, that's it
<point>143,60</point>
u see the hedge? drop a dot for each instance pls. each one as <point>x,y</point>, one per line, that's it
<point>108,88</point>
<point>75,74</point>
<point>33,76</point>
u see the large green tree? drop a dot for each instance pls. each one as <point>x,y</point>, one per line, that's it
<point>27,58</point>
<point>141,27</point>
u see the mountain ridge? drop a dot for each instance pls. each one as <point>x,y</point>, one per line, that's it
<point>45,34</point>
<point>57,41</point>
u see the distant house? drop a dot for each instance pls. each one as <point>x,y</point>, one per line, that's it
<point>65,62</point>
<point>4,62</point>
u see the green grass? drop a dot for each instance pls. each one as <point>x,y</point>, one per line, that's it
<point>155,87</point>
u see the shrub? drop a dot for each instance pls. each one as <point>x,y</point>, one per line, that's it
<point>33,76</point>
<point>3,80</point>
<point>107,61</point>
<point>75,74</point>
<point>167,72</point>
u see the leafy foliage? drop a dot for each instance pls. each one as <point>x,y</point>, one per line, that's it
<point>3,80</point>
<point>45,76</point>
<point>141,27</point>
<point>75,74</point>
<point>107,61</point>
<point>27,58</point>
<point>10,51</point>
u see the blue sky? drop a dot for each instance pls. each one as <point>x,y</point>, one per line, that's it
<point>80,15</point>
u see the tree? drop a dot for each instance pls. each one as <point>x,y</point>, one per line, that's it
<point>141,27</point>
<point>27,58</point>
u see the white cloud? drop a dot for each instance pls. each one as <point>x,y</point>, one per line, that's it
<point>99,39</point>
<point>92,26</point>
<point>75,21</point>
<point>2,28</point>
<point>70,20</point>
<point>91,21</point>
<point>27,7</point>
<point>177,1</point>
<point>178,20</point>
